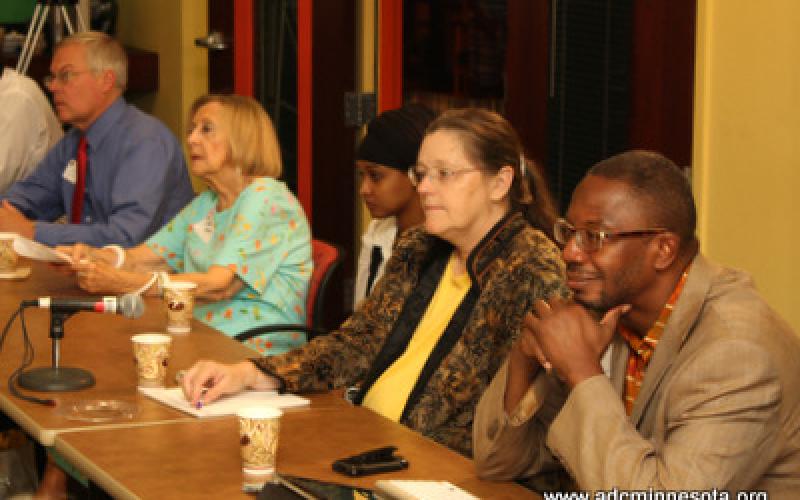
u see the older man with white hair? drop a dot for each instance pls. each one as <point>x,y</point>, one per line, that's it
<point>118,175</point>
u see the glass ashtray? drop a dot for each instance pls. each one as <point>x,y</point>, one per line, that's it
<point>98,410</point>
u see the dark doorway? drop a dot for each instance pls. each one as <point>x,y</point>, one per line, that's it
<point>220,57</point>
<point>332,145</point>
<point>579,80</point>
<point>276,75</point>
<point>333,181</point>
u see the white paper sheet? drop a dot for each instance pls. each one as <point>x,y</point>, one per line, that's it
<point>421,490</point>
<point>34,250</point>
<point>227,405</point>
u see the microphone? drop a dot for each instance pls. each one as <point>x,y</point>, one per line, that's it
<point>129,305</point>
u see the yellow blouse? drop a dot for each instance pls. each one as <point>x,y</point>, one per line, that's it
<point>388,395</point>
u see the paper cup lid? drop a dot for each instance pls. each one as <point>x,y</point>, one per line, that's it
<point>151,338</point>
<point>180,285</point>
<point>259,412</point>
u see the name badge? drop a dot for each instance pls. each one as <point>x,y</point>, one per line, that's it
<point>71,171</point>
<point>204,229</point>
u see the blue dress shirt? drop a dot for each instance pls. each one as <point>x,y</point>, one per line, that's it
<point>136,181</point>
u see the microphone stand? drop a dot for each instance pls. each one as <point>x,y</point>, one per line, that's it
<point>56,377</point>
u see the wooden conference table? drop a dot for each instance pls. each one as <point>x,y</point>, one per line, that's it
<point>96,342</point>
<point>162,452</point>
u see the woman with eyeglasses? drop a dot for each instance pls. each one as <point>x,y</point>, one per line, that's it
<point>426,342</point>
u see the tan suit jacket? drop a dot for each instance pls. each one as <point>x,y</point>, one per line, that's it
<point>719,406</point>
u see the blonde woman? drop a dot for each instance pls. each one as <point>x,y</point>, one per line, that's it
<point>245,241</point>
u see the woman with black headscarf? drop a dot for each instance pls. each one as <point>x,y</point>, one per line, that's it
<point>386,153</point>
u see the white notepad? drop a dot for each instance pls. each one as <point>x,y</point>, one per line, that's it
<point>421,490</point>
<point>226,405</point>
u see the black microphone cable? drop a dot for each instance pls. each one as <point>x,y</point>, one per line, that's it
<point>27,357</point>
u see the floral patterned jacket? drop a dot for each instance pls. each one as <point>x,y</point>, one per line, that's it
<point>513,266</point>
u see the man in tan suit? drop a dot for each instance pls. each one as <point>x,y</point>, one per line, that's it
<point>710,397</point>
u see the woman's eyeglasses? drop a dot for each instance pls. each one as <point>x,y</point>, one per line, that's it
<point>436,175</point>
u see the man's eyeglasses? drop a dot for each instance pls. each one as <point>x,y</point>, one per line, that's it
<point>437,175</point>
<point>62,77</point>
<point>591,240</point>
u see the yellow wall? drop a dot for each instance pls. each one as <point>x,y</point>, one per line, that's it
<point>746,155</point>
<point>169,28</point>
<point>367,81</point>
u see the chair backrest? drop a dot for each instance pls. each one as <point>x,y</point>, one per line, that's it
<point>326,257</point>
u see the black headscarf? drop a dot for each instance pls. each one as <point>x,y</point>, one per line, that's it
<point>393,137</point>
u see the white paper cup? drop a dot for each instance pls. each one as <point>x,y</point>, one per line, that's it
<point>179,303</point>
<point>151,355</point>
<point>259,427</point>
<point>8,257</point>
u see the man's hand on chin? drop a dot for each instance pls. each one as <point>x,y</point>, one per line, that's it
<point>13,221</point>
<point>571,339</point>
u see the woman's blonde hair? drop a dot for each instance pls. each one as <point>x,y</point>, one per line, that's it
<point>253,143</point>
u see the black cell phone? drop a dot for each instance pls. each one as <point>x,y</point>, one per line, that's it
<point>371,462</point>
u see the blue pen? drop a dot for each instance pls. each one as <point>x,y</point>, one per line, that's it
<point>203,392</point>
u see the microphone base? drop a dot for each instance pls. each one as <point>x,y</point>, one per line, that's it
<point>51,379</point>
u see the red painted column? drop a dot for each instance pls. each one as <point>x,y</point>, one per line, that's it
<point>390,55</point>
<point>304,111</point>
<point>243,50</point>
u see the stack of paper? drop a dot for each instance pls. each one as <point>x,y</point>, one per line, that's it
<point>34,250</point>
<point>227,405</point>
<point>421,490</point>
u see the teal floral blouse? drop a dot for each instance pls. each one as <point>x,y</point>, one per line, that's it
<point>265,239</point>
